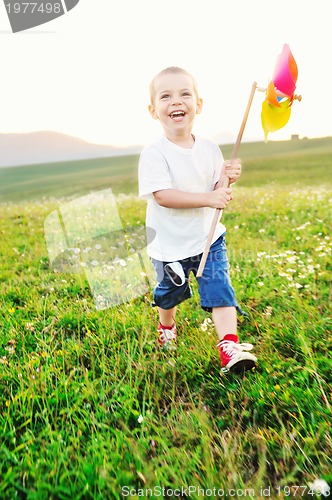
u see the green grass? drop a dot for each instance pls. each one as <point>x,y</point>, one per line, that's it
<point>89,406</point>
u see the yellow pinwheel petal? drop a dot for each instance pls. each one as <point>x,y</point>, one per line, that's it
<point>274,118</point>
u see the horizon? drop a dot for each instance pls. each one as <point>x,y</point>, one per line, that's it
<point>293,136</point>
<point>54,154</point>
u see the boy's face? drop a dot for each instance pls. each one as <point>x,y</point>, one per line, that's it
<point>175,103</point>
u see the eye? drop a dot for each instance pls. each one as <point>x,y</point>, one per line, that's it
<point>164,96</point>
<point>186,93</point>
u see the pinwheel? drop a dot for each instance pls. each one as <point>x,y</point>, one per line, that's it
<point>276,111</point>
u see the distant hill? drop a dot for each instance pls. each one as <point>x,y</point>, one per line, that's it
<point>305,161</point>
<point>48,147</point>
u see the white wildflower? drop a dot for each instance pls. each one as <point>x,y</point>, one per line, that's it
<point>321,487</point>
<point>268,311</point>
<point>205,325</point>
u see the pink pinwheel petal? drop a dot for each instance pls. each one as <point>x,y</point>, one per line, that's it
<point>285,73</point>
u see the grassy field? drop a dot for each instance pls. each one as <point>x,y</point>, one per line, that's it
<point>90,409</point>
<point>301,162</point>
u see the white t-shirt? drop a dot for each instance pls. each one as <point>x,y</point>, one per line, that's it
<point>175,234</point>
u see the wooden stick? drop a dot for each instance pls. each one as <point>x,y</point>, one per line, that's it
<point>226,182</point>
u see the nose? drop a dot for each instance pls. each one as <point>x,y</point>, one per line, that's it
<point>176,102</point>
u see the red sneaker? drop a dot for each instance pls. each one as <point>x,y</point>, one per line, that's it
<point>167,337</point>
<point>234,356</point>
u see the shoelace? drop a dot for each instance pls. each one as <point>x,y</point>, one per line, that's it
<point>231,348</point>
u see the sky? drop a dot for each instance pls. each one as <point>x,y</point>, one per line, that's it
<point>87,73</point>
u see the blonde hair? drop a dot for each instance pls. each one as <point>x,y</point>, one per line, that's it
<point>174,70</point>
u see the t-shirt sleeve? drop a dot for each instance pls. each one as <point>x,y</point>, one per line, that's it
<point>153,173</point>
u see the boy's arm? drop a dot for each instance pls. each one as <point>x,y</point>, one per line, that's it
<point>173,198</point>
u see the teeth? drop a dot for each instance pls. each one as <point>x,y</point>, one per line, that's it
<point>177,113</point>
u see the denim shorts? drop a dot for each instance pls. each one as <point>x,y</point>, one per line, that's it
<point>215,289</point>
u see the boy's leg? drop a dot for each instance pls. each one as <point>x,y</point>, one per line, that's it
<point>233,355</point>
<point>225,321</point>
<point>167,293</point>
<point>167,316</point>
<point>167,328</point>
<point>217,293</point>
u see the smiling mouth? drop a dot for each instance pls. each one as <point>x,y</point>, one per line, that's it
<point>177,114</point>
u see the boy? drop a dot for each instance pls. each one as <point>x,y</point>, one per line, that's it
<point>181,175</point>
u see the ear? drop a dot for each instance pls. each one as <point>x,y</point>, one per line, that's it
<point>199,105</point>
<point>153,112</point>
